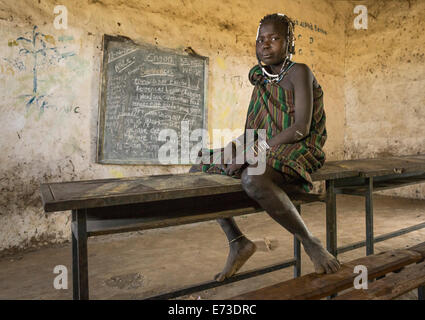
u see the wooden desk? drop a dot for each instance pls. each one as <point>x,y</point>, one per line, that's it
<point>374,175</point>
<point>120,205</point>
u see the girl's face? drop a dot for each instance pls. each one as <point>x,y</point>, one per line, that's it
<point>271,44</point>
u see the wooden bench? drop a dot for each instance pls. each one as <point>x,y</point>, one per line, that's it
<point>109,206</point>
<point>120,205</point>
<point>398,272</point>
<point>374,175</point>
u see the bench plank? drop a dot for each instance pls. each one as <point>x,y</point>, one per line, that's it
<point>333,170</point>
<point>384,185</point>
<point>317,286</point>
<point>106,192</point>
<point>110,226</point>
<point>167,213</point>
<point>390,287</point>
<point>46,193</point>
<point>383,166</point>
<point>419,248</point>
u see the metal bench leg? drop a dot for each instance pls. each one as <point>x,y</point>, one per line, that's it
<point>297,252</point>
<point>331,230</point>
<point>74,258</point>
<point>369,217</point>
<point>421,293</point>
<point>75,294</point>
<point>79,255</point>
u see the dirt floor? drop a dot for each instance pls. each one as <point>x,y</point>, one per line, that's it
<point>141,264</point>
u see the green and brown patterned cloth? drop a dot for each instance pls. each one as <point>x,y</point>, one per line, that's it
<point>272,108</point>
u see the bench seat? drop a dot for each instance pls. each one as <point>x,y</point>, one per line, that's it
<point>315,286</point>
<point>115,219</point>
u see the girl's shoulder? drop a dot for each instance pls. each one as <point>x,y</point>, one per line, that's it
<point>301,70</point>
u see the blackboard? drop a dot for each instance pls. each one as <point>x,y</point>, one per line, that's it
<point>145,89</point>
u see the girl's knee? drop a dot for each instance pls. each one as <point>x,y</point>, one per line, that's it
<point>254,186</point>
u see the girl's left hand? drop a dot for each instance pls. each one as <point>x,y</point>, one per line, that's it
<point>232,168</point>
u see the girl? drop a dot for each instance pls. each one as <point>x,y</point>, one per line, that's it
<point>287,102</point>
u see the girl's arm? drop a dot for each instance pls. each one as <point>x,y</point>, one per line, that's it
<point>303,95</point>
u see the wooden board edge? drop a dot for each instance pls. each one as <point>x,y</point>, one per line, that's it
<point>46,194</point>
<point>331,288</point>
<point>391,286</point>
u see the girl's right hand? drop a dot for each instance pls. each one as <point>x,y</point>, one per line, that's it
<point>229,151</point>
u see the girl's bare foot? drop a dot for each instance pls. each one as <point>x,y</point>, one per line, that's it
<point>323,261</point>
<point>239,253</point>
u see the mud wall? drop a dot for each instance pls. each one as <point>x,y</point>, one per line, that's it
<point>49,100</point>
<point>384,84</point>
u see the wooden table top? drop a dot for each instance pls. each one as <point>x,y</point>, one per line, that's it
<point>107,192</point>
<point>384,166</point>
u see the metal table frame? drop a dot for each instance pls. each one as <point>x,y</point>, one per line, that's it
<point>355,177</point>
<point>80,264</point>
<point>352,186</point>
<point>363,186</point>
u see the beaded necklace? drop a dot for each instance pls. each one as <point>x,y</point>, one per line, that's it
<point>283,71</point>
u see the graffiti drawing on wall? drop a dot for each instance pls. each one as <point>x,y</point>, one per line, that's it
<point>42,50</point>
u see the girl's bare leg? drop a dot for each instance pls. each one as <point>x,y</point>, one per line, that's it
<point>240,249</point>
<point>268,191</point>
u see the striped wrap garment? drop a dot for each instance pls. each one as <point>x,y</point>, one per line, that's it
<point>273,108</point>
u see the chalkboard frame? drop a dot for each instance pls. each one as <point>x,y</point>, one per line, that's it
<point>102,99</point>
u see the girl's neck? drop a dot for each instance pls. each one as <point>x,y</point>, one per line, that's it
<point>276,68</point>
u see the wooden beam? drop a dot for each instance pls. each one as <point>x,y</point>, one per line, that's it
<point>315,286</point>
<point>419,248</point>
<point>159,214</point>
<point>390,287</point>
